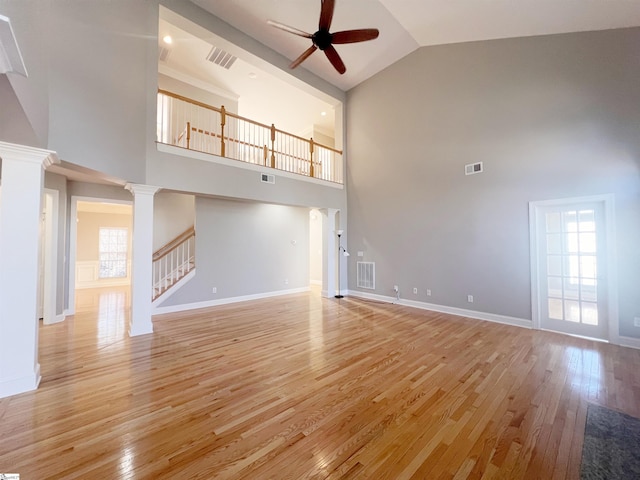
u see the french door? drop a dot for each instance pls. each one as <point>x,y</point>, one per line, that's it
<point>570,267</point>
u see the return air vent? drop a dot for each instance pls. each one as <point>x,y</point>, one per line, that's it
<point>266,178</point>
<point>473,168</point>
<point>163,53</point>
<point>222,58</point>
<point>366,275</point>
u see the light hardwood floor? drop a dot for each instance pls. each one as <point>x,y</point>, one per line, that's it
<point>304,387</point>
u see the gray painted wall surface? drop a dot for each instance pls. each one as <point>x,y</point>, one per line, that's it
<point>245,248</point>
<point>173,213</point>
<point>551,117</point>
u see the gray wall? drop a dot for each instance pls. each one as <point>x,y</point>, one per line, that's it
<point>551,117</point>
<point>245,248</point>
<point>173,213</point>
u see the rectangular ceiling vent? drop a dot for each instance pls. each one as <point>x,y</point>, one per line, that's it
<point>266,178</point>
<point>473,168</point>
<point>222,58</point>
<point>163,53</point>
<point>366,275</point>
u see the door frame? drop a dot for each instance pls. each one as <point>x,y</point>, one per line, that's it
<point>607,201</point>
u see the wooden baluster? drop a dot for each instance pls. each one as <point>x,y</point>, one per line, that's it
<point>273,146</point>
<point>188,134</point>
<point>311,173</point>
<point>223,121</point>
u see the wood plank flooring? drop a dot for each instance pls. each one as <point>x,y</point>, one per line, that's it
<point>301,387</point>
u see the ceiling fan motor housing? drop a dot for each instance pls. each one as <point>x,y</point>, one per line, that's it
<point>322,39</point>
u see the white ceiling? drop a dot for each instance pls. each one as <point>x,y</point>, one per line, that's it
<point>407,24</point>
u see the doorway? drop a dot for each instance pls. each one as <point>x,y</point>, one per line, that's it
<point>571,265</point>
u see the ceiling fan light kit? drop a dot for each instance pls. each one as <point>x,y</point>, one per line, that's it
<point>324,40</point>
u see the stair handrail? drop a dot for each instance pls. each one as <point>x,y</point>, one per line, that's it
<point>173,244</point>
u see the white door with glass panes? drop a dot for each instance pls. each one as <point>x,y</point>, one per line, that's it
<point>569,252</point>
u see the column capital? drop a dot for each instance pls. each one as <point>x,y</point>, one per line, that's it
<point>140,189</point>
<point>24,153</point>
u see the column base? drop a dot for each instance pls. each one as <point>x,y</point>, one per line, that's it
<point>14,386</point>
<point>135,330</point>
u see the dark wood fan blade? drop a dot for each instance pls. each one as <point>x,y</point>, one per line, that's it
<point>289,29</point>
<point>335,59</point>
<point>353,36</point>
<point>326,14</point>
<point>303,57</point>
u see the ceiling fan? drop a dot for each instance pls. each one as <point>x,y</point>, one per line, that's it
<point>324,40</point>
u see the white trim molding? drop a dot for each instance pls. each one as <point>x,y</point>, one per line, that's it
<point>225,301</point>
<point>460,312</point>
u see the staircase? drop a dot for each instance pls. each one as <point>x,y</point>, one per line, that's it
<point>173,262</point>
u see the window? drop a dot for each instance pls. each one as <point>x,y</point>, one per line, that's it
<point>113,252</point>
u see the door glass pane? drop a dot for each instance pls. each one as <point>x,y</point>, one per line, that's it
<point>587,221</point>
<point>554,265</point>
<point>554,243</point>
<point>572,242</point>
<point>588,266</point>
<point>589,313</point>
<point>572,288</point>
<point>569,221</point>
<point>572,311</point>
<point>588,292</point>
<point>588,242</point>
<point>555,287</point>
<point>555,309</point>
<point>553,222</point>
<point>572,265</point>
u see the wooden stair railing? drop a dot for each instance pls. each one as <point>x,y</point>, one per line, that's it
<point>173,261</point>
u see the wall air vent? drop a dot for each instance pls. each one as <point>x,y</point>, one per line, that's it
<point>473,168</point>
<point>366,275</point>
<point>163,53</point>
<point>266,178</point>
<point>222,58</point>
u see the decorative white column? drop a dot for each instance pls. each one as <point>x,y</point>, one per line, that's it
<point>329,252</point>
<point>20,217</point>
<point>141,264</point>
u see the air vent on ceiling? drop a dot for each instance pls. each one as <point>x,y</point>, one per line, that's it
<point>473,168</point>
<point>366,275</point>
<point>266,178</point>
<point>222,58</point>
<point>163,53</point>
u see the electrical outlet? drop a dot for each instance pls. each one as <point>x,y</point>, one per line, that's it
<point>395,288</point>
<point>360,254</point>
<point>286,281</point>
<point>636,321</point>
<point>415,291</point>
<point>428,292</point>
<point>470,298</point>
<point>214,290</point>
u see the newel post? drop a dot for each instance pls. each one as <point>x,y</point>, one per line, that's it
<point>273,146</point>
<point>223,121</point>
<point>311,172</point>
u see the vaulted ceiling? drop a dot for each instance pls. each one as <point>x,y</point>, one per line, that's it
<point>408,24</point>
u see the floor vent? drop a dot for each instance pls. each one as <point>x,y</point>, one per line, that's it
<point>473,168</point>
<point>222,58</point>
<point>266,178</point>
<point>366,275</point>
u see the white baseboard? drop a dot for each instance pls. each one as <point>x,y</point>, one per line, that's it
<point>225,301</point>
<point>68,312</point>
<point>461,312</point>
<point>14,386</point>
<point>179,284</point>
<point>631,342</point>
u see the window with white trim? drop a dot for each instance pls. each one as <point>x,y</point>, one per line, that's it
<point>113,247</point>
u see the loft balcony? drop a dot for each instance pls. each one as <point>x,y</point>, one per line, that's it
<point>187,123</point>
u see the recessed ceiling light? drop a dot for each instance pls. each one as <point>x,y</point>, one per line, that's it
<point>324,114</point>
<point>167,39</point>
<point>253,75</point>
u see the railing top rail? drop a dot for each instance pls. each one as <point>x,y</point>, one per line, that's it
<point>173,244</point>
<point>230,114</point>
